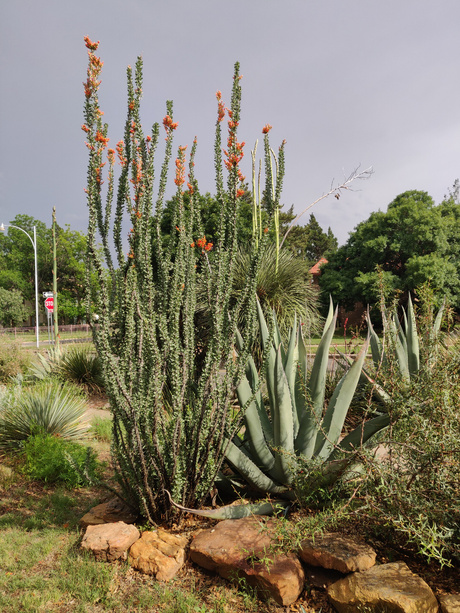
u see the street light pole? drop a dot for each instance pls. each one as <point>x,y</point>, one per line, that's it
<point>34,245</point>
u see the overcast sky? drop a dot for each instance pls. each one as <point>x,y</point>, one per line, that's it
<point>345,82</point>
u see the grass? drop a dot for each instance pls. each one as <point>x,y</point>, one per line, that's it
<point>42,568</point>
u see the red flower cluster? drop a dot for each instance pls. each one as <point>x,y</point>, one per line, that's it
<point>266,129</point>
<point>203,244</point>
<point>95,66</point>
<point>168,123</point>
<point>100,138</point>
<point>120,151</point>
<point>89,44</point>
<point>220,107</point>
<point>180,167</point>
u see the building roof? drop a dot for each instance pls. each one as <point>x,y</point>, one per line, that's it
<point>315,270</point>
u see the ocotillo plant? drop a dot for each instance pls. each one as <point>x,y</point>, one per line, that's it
<point>171,400</point>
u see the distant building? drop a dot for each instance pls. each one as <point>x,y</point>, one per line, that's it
<point>315,271</point>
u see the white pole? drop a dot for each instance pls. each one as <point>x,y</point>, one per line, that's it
<point>36,287</point>
<point>34,245</point>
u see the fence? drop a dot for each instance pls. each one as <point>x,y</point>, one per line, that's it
<point>25,330</point>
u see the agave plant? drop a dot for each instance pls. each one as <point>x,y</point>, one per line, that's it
<point>404,344</point>
<point>48,407</point>
<point>295,424</point>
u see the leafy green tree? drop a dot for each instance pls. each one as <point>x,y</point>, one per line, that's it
<point>308,242</point>
<point>12,309</point>
<point>17,270</point>
<point>412,244</point>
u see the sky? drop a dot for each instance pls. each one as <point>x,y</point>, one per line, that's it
<point>347,83</point>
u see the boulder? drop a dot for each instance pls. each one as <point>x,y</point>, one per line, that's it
<point>110,542</point>
<point>450,603</point>
<point>240,550</point>
<point>108,512</point>
<point>389,587</point>
<point>337,552</point>
<point>158,553</point>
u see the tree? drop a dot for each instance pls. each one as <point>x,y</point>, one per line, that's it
<point>13,312</point>
<point>17,271</point>
<point>308,242</point>
<point>412,243</point>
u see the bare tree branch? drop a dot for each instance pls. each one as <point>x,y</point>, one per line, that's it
<point>336,191</point>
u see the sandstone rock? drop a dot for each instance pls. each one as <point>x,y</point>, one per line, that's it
<point>450,603</point>
<point>158,553</point>
<point>337,552</point>
<point>110,542</point>
<point>390,587</point>
<point>108,512</point>
<point>240,549</point>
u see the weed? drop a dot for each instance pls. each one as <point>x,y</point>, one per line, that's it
<point>101,429</point>
<point>12,359</point>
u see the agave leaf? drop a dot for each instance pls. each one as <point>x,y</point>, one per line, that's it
<point>339,404</point>
<point>290,368</point>
<point>378,355</point>
<point>330,316</point>
<point>277,338</point>
<point>236,511</point>
<point>254,384</point>
<point>317,382</point>
<point>303,358</point>
<point>413,350</point>
<point>400,347</point>
<point>256,437</point>
<point>283,424</point>
<point>311,409</point>
<point>264,332</point>
<point>251,473</point>
<point>438,320</point>
<point>361,434</point>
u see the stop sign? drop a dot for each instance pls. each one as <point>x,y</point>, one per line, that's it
<point>49,304</point>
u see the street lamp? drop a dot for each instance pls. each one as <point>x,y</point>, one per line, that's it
<point>34,245</point>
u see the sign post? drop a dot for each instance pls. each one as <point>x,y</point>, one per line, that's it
<point>49,305</point>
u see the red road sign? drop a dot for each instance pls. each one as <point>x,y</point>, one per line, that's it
<point>49,304</point>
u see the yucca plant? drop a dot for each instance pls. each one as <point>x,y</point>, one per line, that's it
<point>48,407</point>
<point>296,424</point>
<point>81,365</point>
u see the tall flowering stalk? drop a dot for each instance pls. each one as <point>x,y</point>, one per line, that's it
<point>170,398</point>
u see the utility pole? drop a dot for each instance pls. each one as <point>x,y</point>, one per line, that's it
<point>55,308</point>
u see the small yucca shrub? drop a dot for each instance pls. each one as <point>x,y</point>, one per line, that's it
<point>49,407</point>
<point>81,365</point>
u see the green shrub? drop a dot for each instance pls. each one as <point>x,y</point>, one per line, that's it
<point>13,359</point>
<point>52,459</point>
<point>49,407</point>
<point>410,492</point>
